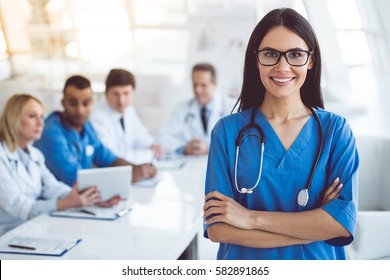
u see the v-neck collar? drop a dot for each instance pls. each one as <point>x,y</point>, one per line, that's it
<point>286,159</point>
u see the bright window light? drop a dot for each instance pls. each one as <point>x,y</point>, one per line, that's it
<point>100,14</point>
<point>105,45</point>
<point>354,47</point>
<point>157,12</point>
<point>337,11</point>
<point>5,67</point>
<point>162,45</point>
<point>3,46</point>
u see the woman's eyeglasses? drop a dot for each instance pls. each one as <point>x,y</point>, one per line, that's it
<point>271,57</point>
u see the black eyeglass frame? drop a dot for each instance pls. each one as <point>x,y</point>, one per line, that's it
<point>256,53</point>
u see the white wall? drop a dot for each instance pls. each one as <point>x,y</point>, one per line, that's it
<point>383,8</point>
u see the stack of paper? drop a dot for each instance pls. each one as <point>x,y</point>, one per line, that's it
<point>37,246</point>
<point>95,213</point>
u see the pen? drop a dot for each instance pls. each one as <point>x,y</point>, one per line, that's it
<point>87,212</point>
<point>123,212</point>
<point>21,247</point>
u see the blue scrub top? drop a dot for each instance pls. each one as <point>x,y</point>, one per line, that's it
<point>284,174</point>
<point>66,150</point>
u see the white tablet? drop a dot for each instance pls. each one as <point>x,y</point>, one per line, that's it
<point>109,180</point>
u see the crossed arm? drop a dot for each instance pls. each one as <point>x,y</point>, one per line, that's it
<point>262,229</point>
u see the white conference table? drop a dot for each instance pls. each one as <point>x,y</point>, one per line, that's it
<point>163,222</point>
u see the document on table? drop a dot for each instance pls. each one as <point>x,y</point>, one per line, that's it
<point>179,159</point>
<point>149,183</point>
<point>169,164</point>
<point>37,246</point>
<point>95,213</point>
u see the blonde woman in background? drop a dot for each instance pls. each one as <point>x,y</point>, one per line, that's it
<point>27,187</point>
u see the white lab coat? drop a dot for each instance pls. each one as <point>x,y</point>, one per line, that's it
<point>185,123</point>
<point>26,191</point>
<point>133,144</point>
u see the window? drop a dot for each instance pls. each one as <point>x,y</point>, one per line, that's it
<point>355,39</point>
<point>5,68</point>
<point>146,36</point>
<point>3,46</point>
<point>263,7</point>
<point>159,13</point>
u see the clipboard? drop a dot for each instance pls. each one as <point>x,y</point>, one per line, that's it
<point>37,246</point>
<point>94,213</point>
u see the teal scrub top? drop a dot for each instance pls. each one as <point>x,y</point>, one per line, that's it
<point>284,174</point>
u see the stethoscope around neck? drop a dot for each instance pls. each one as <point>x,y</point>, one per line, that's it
<point>303,194</point>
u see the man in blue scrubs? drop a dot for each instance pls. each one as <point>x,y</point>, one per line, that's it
<point>69,141</point>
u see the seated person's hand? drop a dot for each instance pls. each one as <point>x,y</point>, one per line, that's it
<point>196,147</point>
<point>143,171</point>
<point>109,203</point>
<point>157,150</point>
<point>87,197</point>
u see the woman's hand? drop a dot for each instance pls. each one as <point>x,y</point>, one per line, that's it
<point>221,208</point>
<point>332,192</point>
<point>109,203</point>
<point>87,197</point>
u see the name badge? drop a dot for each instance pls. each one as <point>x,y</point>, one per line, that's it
<point>89,150</point>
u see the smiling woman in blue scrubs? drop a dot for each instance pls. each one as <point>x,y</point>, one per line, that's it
<point>281,89</point>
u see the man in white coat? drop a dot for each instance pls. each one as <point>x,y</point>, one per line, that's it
<point>117,124</point>
<point>188,130</point>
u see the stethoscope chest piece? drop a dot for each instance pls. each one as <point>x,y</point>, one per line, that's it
<point>303,197</point>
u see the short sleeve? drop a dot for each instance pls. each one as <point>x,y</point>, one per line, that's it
<point>344,163</point>
<point>217,174</point>
<point>61,160</point>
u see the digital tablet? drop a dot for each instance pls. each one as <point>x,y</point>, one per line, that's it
<point>109,180</point>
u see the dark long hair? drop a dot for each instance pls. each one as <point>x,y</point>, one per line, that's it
<point>253,90</point>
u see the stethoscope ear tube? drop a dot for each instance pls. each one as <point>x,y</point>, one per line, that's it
<point>239,139</point>
<point>317,158</point>
<point>251,124</point>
